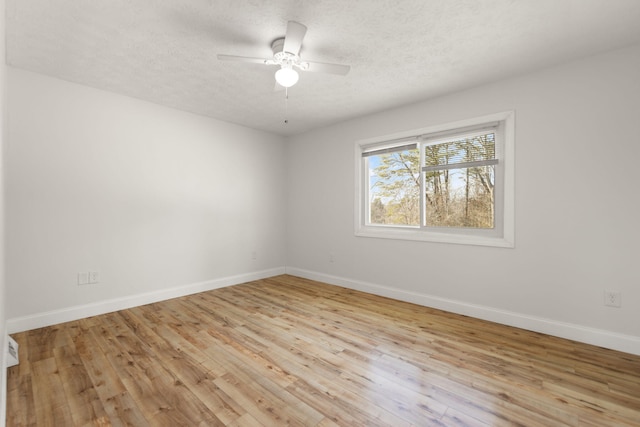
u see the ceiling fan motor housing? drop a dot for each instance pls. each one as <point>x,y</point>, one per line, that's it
<point>286,59</point>
<point>286,54</point>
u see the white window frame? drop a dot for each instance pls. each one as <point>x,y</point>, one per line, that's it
<point>502,235</point>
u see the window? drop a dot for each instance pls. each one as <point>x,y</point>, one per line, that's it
<point>451,183</point>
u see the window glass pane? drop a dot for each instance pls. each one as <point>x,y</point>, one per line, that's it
<point>394,188</point>
<point>460,197</point>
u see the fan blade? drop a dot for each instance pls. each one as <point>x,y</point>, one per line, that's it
<point>242,59</point>
<point>294,36</point>
<point>323,67</point>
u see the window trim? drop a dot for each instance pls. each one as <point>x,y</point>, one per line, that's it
<point>504,233</point>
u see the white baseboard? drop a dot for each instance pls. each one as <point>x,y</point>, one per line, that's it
<point>54,317</point>
<point>599,337</point>
<point>588,335</point>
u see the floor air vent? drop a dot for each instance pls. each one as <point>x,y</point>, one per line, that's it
<point>12,353</point>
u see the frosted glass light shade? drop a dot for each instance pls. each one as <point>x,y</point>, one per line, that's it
<point>286,77</point>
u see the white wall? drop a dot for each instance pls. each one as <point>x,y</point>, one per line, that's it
<point>158,200</point>
<point>152,198</point>
<point>576,219</point>
<point>3,328</point>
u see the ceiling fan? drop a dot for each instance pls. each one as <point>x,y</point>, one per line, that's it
<point>286,54</point>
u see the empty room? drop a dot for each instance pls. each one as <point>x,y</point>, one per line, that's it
<point>320,213</point>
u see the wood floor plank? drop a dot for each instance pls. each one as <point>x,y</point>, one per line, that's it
<point>188,371</point>
<point>49,394</point>
<point>292,351</point>
<point>21,409</point>
<point>154,386</point>
<point>85,406</point>
<point>116,400</point>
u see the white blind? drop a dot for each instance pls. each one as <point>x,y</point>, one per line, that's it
<point>390,147</point>
<point>462,151</point>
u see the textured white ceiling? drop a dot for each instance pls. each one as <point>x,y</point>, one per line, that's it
<point>401,51</point>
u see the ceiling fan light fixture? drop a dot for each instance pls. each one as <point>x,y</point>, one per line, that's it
<point>286,76</point>
<point>286,55</point>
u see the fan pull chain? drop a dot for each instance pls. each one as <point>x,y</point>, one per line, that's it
<point>286,105</point>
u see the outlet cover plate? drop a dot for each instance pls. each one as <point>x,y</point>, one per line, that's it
<point>94,277</point>
<point>612,298</point>
<point>83,278</point>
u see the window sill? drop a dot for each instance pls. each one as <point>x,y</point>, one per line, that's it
<point>415,234</point>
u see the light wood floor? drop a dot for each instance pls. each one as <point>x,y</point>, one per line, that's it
<point>289,351</point>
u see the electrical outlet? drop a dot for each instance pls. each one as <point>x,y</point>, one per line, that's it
<point>332,257</point>
<point>612,298</point>
<point>94,277</point>
<point>254,254</point>
<point>83,278</point>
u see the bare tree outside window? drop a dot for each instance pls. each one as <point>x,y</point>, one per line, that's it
<point>458,184</point>
<point>395,188</point>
